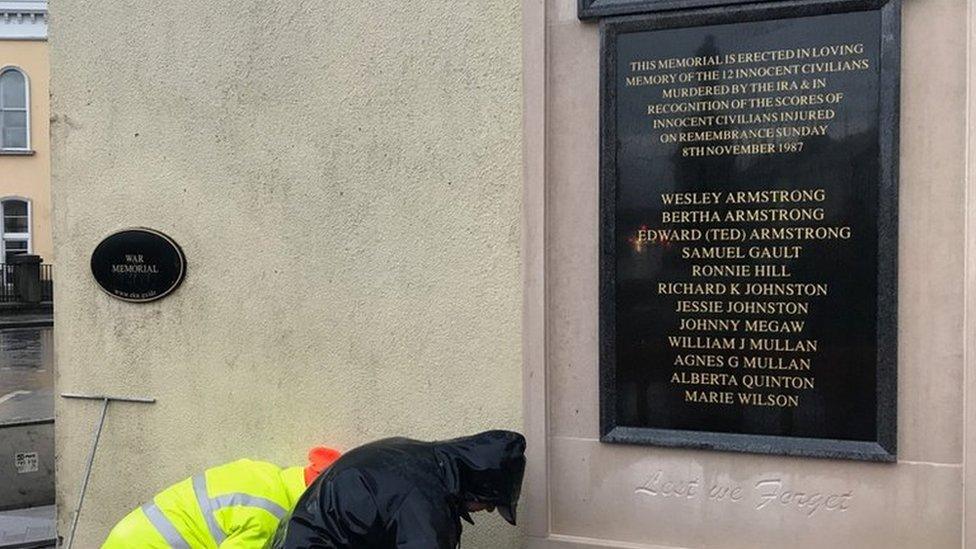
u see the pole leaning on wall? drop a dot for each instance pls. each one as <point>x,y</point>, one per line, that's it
<point>106,400</point>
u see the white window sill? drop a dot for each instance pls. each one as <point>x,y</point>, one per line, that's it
<point>16,152</point>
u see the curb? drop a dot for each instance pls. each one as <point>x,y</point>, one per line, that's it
<point>26,324</point>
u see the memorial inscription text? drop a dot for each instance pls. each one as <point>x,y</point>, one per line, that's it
<point>741,254</point>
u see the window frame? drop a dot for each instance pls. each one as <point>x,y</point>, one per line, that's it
<point>27,237</point>
<point>27,111</point>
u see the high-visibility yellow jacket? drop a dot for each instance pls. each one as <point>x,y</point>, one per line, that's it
<point>233,506</point>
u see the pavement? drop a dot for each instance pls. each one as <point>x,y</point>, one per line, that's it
<point>25,318</point>
<point>26,395</point>
<point>26,374</point>
<point>28,528</point>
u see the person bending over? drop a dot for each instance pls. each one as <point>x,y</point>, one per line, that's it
<point>233,506</point>
<point>399,493</point>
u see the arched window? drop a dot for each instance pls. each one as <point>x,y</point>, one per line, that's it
<point>14,110</point>
<point>16,227</point>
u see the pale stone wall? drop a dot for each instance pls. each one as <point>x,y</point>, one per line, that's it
<point>581,492</point>
<point>344,178</point>
<point>30,176</point>
<point>969,333</point>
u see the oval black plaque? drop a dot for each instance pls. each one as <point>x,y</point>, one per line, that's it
<point>138,265</point>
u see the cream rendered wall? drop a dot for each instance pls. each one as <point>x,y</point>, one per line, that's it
<point>344,178</point>
<point>30,176</point>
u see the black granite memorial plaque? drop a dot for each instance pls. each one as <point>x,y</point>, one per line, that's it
<point>748,231</point>
<point>588,9</point>
<point>138,265</point>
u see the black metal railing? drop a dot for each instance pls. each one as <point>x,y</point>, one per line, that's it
<point>24,283</point>
<point>47,282</point>
<point>7,294</point>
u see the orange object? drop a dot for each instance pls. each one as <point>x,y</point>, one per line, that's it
<point>320,458</point>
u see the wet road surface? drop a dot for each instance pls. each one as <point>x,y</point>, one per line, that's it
<point>26,374</point>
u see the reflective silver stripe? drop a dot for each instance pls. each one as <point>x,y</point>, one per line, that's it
<point>247,500</point>
<point>164,527</point>
<point>200,489</point>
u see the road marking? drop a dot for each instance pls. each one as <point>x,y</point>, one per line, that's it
<point>14,394</point>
